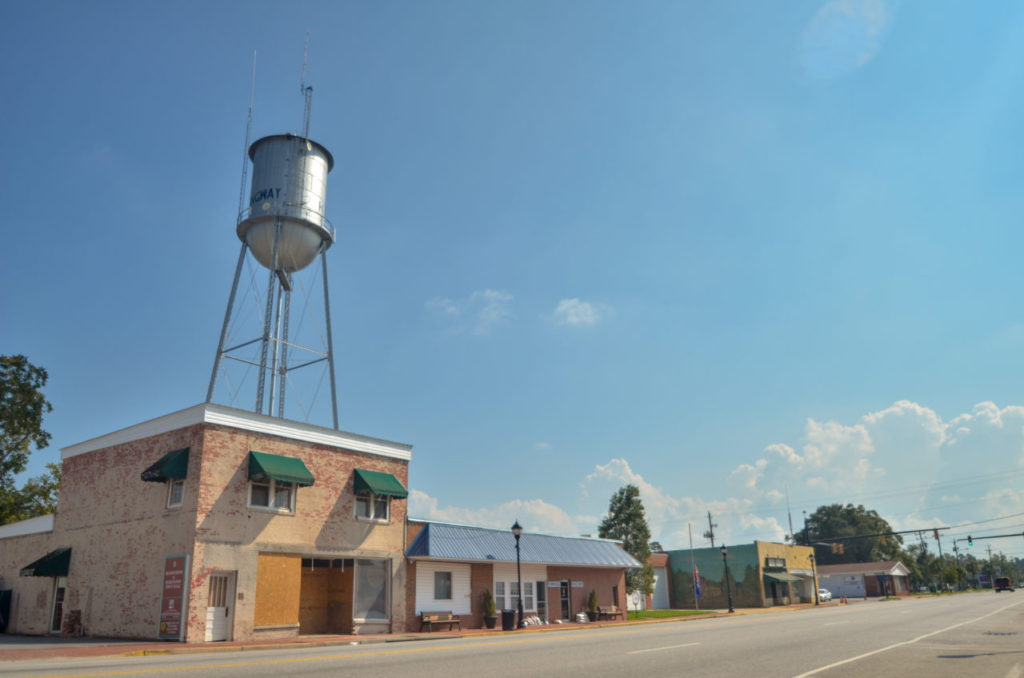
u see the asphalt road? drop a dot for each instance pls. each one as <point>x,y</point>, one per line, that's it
<point>979,634</point>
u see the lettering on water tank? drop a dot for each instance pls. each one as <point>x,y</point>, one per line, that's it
<point>264,194</point>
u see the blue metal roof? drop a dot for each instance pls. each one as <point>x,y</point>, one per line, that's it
<point>445,541</point>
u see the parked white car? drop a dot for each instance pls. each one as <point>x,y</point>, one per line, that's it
<point>824,595</point>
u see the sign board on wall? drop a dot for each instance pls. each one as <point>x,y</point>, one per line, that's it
<point>577,584</point>
<point>173,599</point>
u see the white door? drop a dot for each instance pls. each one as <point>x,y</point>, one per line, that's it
<point>218,609</point>
<point>659,601</point>
<point>57,609</point>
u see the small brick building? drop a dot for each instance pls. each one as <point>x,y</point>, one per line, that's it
<point>451,565</point>
<point>214,524</point>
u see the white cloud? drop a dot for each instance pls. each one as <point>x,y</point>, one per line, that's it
<point>844,35</point>
<point>535,515</point>
<point>904,461</point>
<point>576,313</point>
<point>477,314</point>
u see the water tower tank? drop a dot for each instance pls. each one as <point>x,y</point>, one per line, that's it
<point>289,188</point>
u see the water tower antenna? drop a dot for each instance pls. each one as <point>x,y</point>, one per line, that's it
<point>306,92</point>
<point>241,255</point>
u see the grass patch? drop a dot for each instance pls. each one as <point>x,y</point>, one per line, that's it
<point>664,614</point>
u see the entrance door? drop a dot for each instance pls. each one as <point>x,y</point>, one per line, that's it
<point>57,614</point>
<point>542,606</point>
<point>218,609</point>
<point>563,589</point>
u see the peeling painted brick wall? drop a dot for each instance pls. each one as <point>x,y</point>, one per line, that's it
<point>33,596</point>
<point>120,531</point>
<point>230,536</point>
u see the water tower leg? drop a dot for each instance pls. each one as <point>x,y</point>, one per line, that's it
<point>224,327</point>
<point>275,347</point>
<point>283,337</point>
<point>330,341</point>
<point>267,318</point>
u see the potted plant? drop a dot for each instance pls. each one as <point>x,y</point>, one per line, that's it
<point>592,605</point>
<point>490,609</point>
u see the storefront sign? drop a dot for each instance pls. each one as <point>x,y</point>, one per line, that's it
<point>554,584</point>
<point>577,584</point>
<point>172,602</point>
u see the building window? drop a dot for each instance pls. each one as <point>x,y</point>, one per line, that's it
<point>370,506</point>
<point>272,495</point>
<point>512,587</point>
<point>442,586</point>
<point>499,595</point>
<point>175,492</point>
<point>372,578</point>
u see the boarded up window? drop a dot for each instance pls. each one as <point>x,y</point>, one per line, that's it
<point>278,582</point>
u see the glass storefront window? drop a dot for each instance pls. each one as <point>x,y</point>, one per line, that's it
<point>372,589</point>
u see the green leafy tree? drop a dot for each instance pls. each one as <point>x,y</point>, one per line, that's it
<point>22,407</point>
<point>37,497</point>
<point>627,522</point>
<point>836,521</point>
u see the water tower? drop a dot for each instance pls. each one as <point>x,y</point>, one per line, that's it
<point>284,229</point>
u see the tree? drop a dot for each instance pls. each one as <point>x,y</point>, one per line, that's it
<point>837,521</point>
<point>627,522</point>
<point>22,406</point>
<point>36,498</point>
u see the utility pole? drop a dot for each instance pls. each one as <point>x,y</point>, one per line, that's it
<point>710,534</point>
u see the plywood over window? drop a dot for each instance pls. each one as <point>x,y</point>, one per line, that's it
<point>278,585</point>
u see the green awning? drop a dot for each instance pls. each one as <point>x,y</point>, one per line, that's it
<point>53,564</point>
<point>264,467</point>
<point>171,465</point>
<point>782,576</point>
<point>383,484</point>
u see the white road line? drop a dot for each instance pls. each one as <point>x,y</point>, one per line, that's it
<point>906,642</point>
<point>1015,672</point>
<point>658,649</point>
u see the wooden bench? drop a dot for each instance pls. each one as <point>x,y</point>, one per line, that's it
<point>608,612</point>
<point>428,619</point>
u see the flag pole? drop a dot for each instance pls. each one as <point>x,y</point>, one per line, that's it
<point>693,569</point>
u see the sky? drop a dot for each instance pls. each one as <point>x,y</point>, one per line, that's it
<point>751,257</point>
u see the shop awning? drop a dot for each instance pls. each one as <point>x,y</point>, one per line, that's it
<point>265,467</point>
<point>782,576</point>
<point>171,465</point>
<point>53,564</point>
<point>383,484</point>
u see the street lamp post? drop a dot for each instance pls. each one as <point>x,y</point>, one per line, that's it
<point>814,579</point>
<point>728,584</point>
<point>517,531</point>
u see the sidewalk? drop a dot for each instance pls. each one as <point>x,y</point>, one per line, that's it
<point>22,648</point>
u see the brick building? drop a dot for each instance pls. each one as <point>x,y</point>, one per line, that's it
<point>212,524</point>
<point>451,565</point>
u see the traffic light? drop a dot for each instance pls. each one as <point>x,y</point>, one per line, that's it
<point>881,540</point>
<point>936,533</point>
<point>842,548</point>
<point>835,548</point>
<point>970,542</point>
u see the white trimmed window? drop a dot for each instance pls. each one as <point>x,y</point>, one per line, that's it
<point>442,586</point>
<point>370,506</point>
<point>272,495</point>
<point>499,595</point>
<point>175,492</point>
